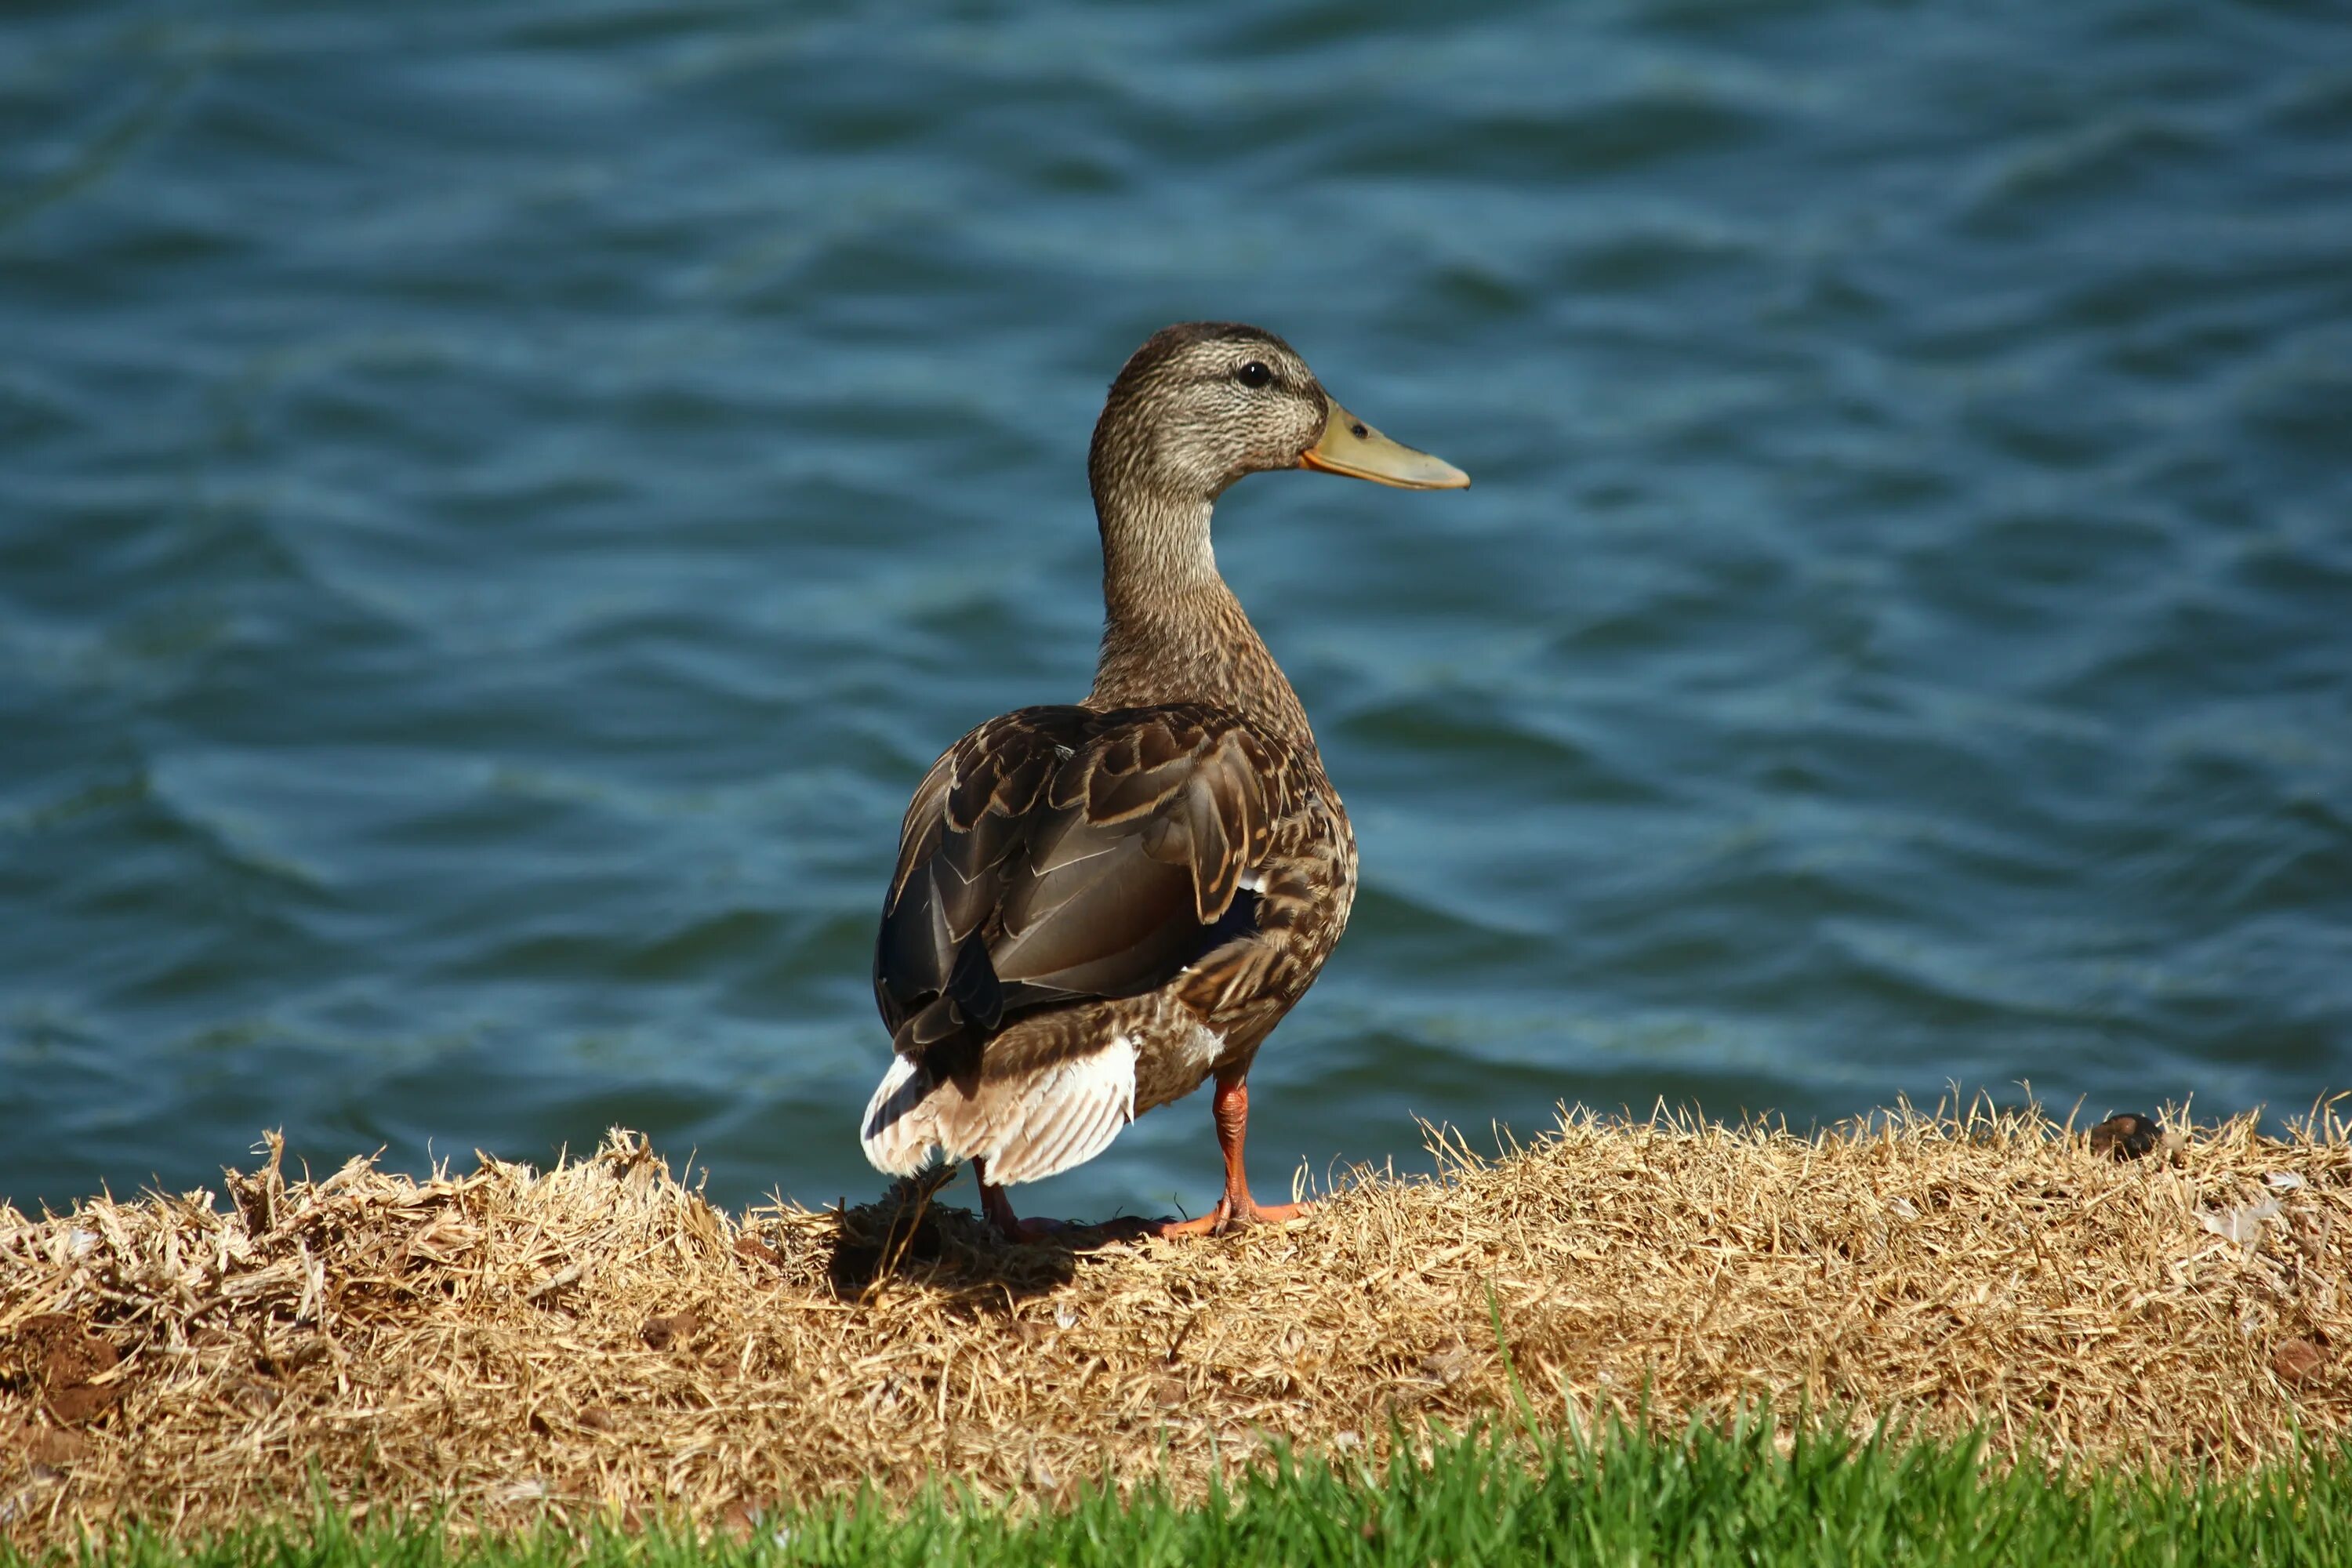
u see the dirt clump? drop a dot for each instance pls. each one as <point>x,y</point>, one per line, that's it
<point>70,1369</point>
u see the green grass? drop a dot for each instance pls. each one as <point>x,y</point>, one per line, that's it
<point>1694,1499</point>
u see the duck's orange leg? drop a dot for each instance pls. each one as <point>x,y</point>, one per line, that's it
<point>1235,1207</point>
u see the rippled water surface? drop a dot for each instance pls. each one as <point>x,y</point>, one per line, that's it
<point>499,502</point>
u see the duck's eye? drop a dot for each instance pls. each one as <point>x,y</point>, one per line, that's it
<point>1254,374</point>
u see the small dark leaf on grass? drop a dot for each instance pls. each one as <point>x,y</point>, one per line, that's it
<point>673,1329</point>
<point>753,1250</point>
<point>2299,1362</point>
<point>2125,1137</point>
<point>1449,1363</point>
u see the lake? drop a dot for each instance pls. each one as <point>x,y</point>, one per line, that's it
<point>500,502</point>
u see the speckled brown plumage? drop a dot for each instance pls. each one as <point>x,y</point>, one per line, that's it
<point>1097,907</point>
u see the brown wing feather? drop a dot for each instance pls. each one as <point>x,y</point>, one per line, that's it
<point>1060,853</point>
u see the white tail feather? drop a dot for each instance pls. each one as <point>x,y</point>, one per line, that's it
<point>1026,1128</point>
<point>900,1143</point>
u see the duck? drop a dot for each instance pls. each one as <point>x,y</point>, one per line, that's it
<point>1098,907</point>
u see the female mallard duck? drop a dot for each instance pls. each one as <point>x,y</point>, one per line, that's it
<point>1098,907</point>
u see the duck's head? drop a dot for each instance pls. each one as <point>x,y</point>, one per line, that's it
<point>1203,403</point>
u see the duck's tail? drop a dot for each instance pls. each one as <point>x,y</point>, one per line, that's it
<point>1027,1124</point>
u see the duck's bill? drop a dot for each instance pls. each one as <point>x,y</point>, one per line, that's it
<point>1352,447</point>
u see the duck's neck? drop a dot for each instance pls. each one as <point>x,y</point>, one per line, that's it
<point>1172,631</point>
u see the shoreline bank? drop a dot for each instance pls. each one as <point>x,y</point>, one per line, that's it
<point>597,1339</point>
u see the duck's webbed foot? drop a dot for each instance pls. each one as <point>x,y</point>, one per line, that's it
<point>1231,1216</point>
<point>1235,1208</point>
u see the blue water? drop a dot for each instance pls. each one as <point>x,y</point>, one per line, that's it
<point>499,502</point>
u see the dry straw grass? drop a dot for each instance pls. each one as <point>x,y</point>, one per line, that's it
<point>600,1338</point>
